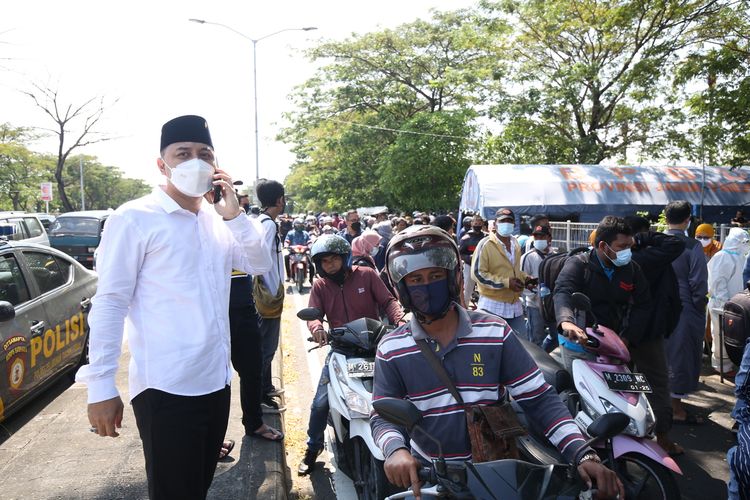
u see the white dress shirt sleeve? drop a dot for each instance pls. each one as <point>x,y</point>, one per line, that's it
<point>119,259</point>
<point>250,253</point>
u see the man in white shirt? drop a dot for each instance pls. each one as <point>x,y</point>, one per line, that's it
<point>270,194</point>
<point>164,266</point>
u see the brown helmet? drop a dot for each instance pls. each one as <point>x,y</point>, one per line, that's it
<point>421,247</point>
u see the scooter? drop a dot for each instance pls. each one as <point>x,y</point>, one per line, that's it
<point>500,479</point>
<point>351,365</point>
<point>300,265</point>
<point>607,386</point>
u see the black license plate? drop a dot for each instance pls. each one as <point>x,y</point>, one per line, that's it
<point>627,382</point>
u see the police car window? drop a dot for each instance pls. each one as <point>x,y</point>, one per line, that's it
<point>13,288</point>
<point>45,270</point>
<point>33,226</point>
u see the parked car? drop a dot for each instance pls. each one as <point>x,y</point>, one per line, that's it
<point>28,227</point>
<point>45,219</point>
<point>78,234</point>
<point>45,297</point>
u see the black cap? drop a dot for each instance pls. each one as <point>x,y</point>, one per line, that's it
<point>504,213</point>
<point>188,128</point>
<point>542,231</point>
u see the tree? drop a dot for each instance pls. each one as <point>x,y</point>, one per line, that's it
<point>21,170</point>
<point>82,118</point>
<point>426,169</point>
<point>371,86</point>
<point>715,77</point>
<point>104,186</point>
<point>592,75</point>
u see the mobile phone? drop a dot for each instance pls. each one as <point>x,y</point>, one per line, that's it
<point>217,193</point>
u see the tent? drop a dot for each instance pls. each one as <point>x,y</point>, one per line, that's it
<point>586,193</point>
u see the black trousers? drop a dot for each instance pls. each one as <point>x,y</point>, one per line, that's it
<point>650,359</point>
<point>181,437</point>
<point>247,359</point>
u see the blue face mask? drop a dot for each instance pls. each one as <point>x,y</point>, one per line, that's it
<point>505,229</point>
<point>622,258</point>
<point>432,299</point>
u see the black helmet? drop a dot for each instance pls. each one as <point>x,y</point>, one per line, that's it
<point>421,247</point>
<point>328,244</point>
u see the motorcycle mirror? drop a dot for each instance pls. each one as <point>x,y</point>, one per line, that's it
<point>398,412</point>
<point>581,301</point>
<point>608,426</point>
<point>310,314</point>
<point>7,311</point>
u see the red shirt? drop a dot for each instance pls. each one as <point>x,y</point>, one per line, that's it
<point>362,295</point>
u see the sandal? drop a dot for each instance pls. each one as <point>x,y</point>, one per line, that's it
<point>270,434</point>
<point>689,419</point>
<point>226,448</point>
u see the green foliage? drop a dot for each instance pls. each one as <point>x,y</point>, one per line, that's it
<point>22,171</point>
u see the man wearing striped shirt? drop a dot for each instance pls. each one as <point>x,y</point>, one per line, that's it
<point>478,351</point>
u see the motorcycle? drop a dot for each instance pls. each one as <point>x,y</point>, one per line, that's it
<point>606,386</point>
<point>351,364</point>
<point>506,479</point>
<point>300,265</point>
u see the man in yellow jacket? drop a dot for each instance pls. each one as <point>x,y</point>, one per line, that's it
<point>496,269</point>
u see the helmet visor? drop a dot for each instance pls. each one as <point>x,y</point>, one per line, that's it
<point>407,262</point>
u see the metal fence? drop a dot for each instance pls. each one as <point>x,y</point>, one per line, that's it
<point>569,235</point>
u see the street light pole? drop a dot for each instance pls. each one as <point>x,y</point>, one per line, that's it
<point>255,76</point>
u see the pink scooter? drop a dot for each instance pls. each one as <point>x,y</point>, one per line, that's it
<point>608,386</point>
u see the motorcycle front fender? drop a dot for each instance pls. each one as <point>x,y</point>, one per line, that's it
<point>361,427</point>
<point>622,444</point>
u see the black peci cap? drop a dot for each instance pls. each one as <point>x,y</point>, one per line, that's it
<point>188,128</point>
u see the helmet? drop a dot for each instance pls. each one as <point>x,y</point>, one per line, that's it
<point>421,247</point>
<point>328,244</point>
<point>299,224</point>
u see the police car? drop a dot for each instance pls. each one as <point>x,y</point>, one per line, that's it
<point>45,297</point>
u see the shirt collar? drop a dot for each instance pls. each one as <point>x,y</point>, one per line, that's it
<point>462,329</point>
<point>167,203</point>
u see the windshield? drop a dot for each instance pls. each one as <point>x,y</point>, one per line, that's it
<point>79,226</point>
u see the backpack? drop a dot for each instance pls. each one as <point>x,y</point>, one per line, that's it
<point>549,270</point>
<point>736,325</point>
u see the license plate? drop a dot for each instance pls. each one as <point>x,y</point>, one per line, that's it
<point>360,368</point>
<point>627,382</point>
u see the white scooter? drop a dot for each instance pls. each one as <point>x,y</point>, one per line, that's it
<point>351,365</point>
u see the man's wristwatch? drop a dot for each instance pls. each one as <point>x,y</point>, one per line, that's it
<point>590,455</point>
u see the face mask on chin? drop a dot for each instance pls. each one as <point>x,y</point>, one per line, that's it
<point>193,178</point>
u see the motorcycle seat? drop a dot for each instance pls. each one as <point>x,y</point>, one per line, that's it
<point>554,373</point>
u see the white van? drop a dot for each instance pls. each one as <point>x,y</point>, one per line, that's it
<point>28,227</point>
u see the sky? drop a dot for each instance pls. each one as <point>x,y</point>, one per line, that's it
<point>151,64</point>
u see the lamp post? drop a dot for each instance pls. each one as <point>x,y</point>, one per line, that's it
<point>255,74</point>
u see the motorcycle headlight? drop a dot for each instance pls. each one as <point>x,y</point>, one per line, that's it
<point>357,405</point>
<point>632,428</point>
<point>590,410</point>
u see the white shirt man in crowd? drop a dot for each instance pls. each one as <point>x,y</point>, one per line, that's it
<point>164,265</point>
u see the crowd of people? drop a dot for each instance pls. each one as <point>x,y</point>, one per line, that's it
<point>465,295</point>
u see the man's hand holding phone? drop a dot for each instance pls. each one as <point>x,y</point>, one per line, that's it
<point>226,203</point>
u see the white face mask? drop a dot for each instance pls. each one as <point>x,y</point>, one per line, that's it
<point>540,245</point>
<point>192,178</point>
<point>374,251</point>
<point>705,243</point>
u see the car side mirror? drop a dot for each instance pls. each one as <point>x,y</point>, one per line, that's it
<point>7,311</point>
<point>310,314</point>
<point>581,301</point>
<point>608,426</point>
<point>398,412</point>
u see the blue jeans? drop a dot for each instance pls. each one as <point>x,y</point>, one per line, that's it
<point>269,335</point>
<point>316,426</point>
<point>537,327</point>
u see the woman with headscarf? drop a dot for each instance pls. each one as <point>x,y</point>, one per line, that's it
<point>705,235</point>
<point>364,249</point>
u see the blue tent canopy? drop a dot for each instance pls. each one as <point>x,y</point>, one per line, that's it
<point>586,193</point>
